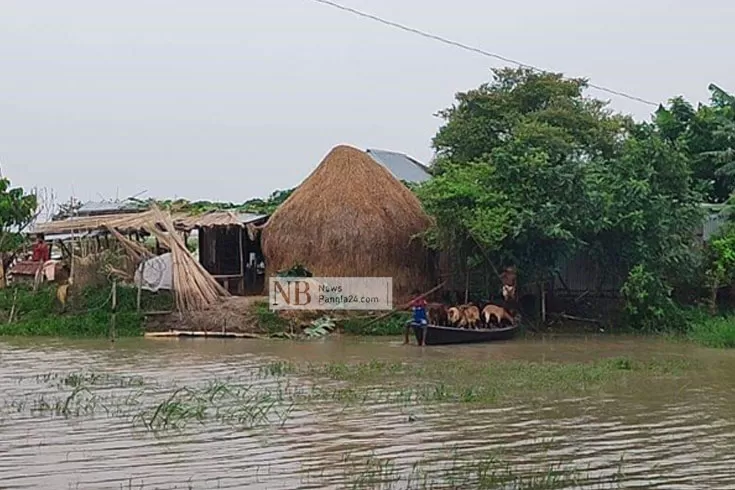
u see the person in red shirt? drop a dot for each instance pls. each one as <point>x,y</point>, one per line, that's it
<point>41,251</point>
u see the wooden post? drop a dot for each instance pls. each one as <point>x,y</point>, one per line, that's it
<point>12,309</point>
<point>140,284</point>
<point>542,289</point>
<point>467,286</point>
<point>113,320</point>
<point>242,266</point>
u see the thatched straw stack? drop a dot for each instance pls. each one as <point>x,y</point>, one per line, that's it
<point>351,218</point>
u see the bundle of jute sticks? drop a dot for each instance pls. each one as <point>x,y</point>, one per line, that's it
<point>194,288</point>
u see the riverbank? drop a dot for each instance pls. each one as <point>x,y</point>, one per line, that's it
<point>88,313</point>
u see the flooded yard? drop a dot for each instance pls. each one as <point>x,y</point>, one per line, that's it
<point>347,413</point>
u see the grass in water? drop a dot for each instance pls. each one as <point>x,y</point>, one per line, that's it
<point>717,332</point>
<point>153,406</point>
<point>468,381</point>
<point>481,472</point>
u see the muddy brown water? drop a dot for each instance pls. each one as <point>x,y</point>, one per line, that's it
<point>680,436</point>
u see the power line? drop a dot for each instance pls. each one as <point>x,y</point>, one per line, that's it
<point>468,48</point>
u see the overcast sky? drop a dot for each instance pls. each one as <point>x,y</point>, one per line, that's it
<point>228,100</point>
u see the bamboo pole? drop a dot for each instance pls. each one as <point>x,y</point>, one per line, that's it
<point>242,265</point>
<point>3,282</point>
<point>140,285</point>
<point>12,309</point>
<point>113,320</point>
<point>405,305</point>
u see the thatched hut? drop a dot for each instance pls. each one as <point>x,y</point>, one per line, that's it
<point>351,218</point>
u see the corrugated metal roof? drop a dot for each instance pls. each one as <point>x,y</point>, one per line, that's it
<point>401,166</point>
<point>247,218</point>
<point>712,224</point>
<point>68,236</point>
<point>216,218</point>
<point>91,207</point>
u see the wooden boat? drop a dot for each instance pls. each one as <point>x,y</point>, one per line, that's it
<point>439,335</point>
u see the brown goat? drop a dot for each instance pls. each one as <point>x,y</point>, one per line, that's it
<point>471,315</point>
<point>436,313</point>
<point>495,315</point>
<point>455,316</point>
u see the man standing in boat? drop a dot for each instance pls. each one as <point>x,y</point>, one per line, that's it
<point>509,278</point>
<point>418,307</point>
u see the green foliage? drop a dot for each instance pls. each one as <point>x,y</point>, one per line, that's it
<point>545,110</point>
<point>530,170</point>
<point>717,332</point>
<point>394,325</point>
<point>707,137</point>
<point>269,320</point>
<point>321,327</point>
<point>721,257</point>
<point>257,205</point>
<point>89,312</point>
<point>648,302</point>
<point>296,270</point>
<point>17,210</point>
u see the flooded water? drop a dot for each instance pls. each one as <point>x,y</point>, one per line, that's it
<point>59,431</point>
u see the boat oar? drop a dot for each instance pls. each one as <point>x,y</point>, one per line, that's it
<point>405,305</point>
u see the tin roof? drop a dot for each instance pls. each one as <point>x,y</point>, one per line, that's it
<point>91,208</point>
<point>403,167</point>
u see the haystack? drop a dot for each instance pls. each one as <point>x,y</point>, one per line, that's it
<point>351,218</point>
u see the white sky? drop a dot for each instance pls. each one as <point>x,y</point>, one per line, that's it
<point>228,100</point>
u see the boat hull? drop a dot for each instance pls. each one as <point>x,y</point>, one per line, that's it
<point>438,335</point>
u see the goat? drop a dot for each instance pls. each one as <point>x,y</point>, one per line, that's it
<point>436,313</point>
<point>494,315</point>
<point>455,316</point>
<point>471,314</point>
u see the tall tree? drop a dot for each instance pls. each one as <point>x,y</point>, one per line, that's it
<point>707,137</point>
<point>530,170</point>
<point>547,110</point>
<point>514,160</point>
<point>17,211</point>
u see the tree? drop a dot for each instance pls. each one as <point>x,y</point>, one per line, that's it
<point>17,211</point>
<point>529,170</point>
<point>707,137</point>
<point>256,205</point>
<point>514,163</point>
<point>548,111</point>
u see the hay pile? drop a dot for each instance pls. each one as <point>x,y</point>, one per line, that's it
<point>351,217</point>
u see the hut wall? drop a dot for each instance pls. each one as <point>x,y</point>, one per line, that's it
<point>219,250</point>
<point>219,253</point>
<point>581,274</point>
<point>482,284</point>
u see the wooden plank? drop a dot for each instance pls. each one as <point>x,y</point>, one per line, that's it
<point>157,313</point>
<point>190,333</point>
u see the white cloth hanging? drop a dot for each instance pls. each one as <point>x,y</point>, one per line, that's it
<point>157,273</point>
